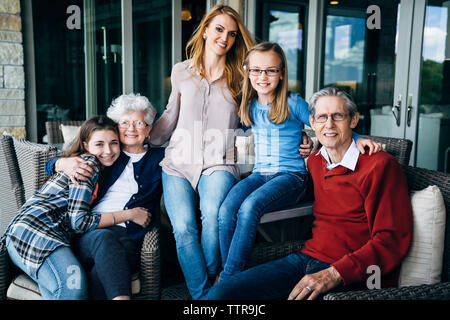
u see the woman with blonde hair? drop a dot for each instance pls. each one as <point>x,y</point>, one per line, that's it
<point>200,119</point>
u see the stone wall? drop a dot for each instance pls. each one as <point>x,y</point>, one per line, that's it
<point>12,77</point>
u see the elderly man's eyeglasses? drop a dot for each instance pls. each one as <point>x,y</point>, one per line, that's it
<point>272,72</point>
<point>322,118</point>
<point>136,124</point>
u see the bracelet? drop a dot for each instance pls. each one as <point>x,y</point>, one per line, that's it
<point>113,220</point>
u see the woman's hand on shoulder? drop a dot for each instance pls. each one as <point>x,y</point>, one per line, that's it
<point>75,167</point>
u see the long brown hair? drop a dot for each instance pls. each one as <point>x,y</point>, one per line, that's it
<point>233,72</point>
<point>87,128</point>
<point>279,109</point>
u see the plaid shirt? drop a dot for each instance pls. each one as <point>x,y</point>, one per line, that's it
<point>52,216</point>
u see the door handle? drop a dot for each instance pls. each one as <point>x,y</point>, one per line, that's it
<point>397,108</point>
<point>105,57</point>
<point>409,109</point>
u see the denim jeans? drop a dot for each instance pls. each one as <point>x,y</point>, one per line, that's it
<point>273,280</point>
<point>109,257</point>
<point>242,209</point>
<point>60,277</point>
<point>197,261</point>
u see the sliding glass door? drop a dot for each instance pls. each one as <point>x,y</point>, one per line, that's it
<point>284,22</point>
<point>362,61</point>
<point>108,52</point>
<point>59,63</point>
<point>428,108</point>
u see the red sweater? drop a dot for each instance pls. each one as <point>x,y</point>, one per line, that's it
<point>362,217</point>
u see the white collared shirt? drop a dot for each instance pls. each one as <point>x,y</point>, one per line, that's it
<point>122,189</point>
<point>349,160</point>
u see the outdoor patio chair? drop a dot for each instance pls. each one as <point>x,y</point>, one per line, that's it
<point>11,188</point>
<point>418,179</point>
<point>54,133</point>
<point>31,158</point>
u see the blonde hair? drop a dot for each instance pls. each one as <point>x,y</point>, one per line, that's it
<point>233,72</point>
<point>279,109</point>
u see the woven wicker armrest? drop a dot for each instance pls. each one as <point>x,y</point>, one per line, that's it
<point>439,291</point>
<point>270,251</point>
<point>150,272</point>
<point>4,268</point>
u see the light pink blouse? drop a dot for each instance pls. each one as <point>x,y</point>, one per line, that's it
<point>200,120</point>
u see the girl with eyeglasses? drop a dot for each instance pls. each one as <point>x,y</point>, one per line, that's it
<point>279,177</point>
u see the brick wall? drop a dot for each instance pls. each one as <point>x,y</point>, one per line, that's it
<point>12,77</point>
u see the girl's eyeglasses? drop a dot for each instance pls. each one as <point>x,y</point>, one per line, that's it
<point>269,72</point>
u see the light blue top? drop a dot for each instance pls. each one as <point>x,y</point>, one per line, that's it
<point>276,145</point>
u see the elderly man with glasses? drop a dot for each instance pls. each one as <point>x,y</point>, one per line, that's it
<point>362,211</point>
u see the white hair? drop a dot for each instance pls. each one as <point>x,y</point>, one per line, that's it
<point>334,92</point>
<point>127,103</point>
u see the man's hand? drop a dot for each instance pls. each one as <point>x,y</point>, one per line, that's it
<point>315,284</point>
<point>374,147</point>
<point>306,146</point>
<point>75,168</point>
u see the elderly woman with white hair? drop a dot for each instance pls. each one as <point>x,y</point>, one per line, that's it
<point>110,256</point>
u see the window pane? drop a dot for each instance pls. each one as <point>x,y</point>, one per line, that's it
<point>361,61</point>
<point>283,22</point>
<point>59,64</point>
<point>152,37</point>
<point>433,138</point>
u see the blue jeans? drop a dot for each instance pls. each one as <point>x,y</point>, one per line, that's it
<point>60,277</point>
<point>197,261</point>
<point>109,258</point>
<point>242,209</point>
<point>272,280</point>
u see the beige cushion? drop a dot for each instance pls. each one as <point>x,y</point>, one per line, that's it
<point>423,263</point>
<point>245,147</point>
<point>24,288</point>
<point>69,134</point>
<point>135,284</point>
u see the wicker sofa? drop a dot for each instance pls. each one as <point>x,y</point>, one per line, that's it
<point>418,179</point>
<point>17,180</point>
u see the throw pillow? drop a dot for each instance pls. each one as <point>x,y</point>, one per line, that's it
<point>423,263</point>
<point>69,134</point>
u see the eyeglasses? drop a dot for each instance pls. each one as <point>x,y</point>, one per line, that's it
<point>269,72</point>
<point>137,124</point>
<point>322,118</point>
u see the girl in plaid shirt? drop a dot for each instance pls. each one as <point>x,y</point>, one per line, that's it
<point>39,237</point>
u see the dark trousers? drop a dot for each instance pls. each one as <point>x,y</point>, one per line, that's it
<point>109,258</point>
<point>273,280</point>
